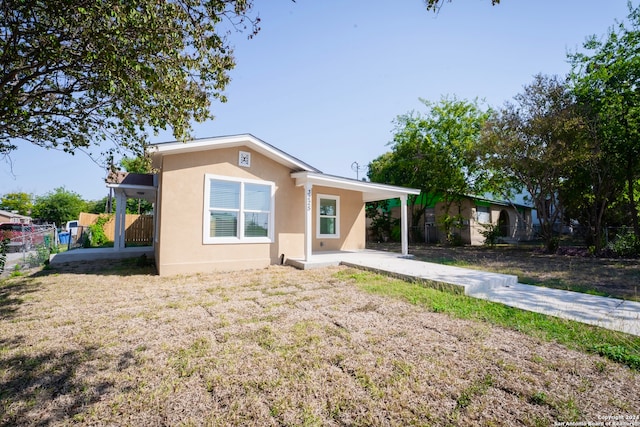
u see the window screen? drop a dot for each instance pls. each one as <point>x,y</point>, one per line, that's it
<point>238,209</point>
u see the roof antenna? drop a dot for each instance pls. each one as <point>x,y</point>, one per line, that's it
<point>357,168</point>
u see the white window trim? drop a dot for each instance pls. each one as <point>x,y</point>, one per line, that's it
<point>208,240</point>
<point>337,216</point>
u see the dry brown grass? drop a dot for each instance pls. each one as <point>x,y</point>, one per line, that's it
<point>276,347</point>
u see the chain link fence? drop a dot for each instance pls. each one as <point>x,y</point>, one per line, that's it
<point>25,237</point>
<point>26,244</point>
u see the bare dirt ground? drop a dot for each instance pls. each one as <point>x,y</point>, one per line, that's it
<point>106,344</point>
<point>619,278</point>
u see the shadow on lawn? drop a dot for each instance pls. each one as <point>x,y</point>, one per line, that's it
<point>45,386</point>
<point>12,295</point>
<point>107,267</point>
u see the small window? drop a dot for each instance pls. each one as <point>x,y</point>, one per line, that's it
<point>483,214</point>
<point>328,225</point>
<point>238,211</point>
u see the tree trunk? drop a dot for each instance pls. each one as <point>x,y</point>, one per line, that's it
<point>633,210</point>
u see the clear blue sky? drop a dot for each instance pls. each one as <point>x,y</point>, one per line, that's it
<point>324,79</point>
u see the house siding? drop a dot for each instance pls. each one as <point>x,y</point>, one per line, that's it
<point>181,249</point>
<point>352,221</point>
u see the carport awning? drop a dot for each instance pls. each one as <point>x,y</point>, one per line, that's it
<point>134,185</point>
<point>371,191</point>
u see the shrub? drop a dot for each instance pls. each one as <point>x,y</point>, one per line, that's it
<point>396,234</point>
<point>40,257</point>
<point>626,244</point>
<point>96,235</point>
<point>382,222</point>
<point>17,271</point>
<point>4,244</point>
<point>449,224</point>
<point>491,234</point>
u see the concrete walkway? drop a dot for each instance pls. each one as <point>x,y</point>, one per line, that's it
<point>610,313</point>
<point>91,254</point>
<point>14,258</point>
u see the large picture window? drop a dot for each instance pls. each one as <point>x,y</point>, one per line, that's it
<point>328,223</point>
<point>238,211</point>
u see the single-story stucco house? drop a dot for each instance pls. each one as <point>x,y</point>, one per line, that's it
<point>514,221</point>
<point>236,202</point>
<point>6,216</point>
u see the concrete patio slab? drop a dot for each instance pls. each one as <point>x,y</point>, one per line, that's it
<point>467,280</point>
<point>90,254</point>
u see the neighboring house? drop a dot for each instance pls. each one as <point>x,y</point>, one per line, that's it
<point>6,216</point>
<point>514,220</point>
<point>236,202</point>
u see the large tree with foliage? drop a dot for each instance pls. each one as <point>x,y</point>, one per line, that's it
<point>59,206</point>
<point>531,145</point>
<point>77,73</point>
<point>140,164</point>
<point>435,153</point>
<point>19,202</point>
<point>606,78</point>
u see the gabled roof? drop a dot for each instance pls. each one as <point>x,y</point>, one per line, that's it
<point>371,191</point>
<point>247,140</point>
<point>301,171</point>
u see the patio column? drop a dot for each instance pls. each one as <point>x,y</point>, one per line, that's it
<point>120,225</point>
<point>308,221</point>
<point>404,229</point>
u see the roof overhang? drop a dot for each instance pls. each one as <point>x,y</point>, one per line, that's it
<point>159,150</point>
<point>134,185</point>
<point>371,191</point>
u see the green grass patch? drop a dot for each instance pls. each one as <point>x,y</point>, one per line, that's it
<point>185,360</point>
<point>619,354</point>
<point>617,346</point>
<point>478,388</point>
<point>447,261</point>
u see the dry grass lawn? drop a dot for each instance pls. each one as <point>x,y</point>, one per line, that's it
<point>281,347</point>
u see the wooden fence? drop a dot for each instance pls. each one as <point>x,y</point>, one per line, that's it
<point>139,228</point>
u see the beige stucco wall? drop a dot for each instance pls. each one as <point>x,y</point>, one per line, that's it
<point>352,221</point>
<point>180,210</point>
